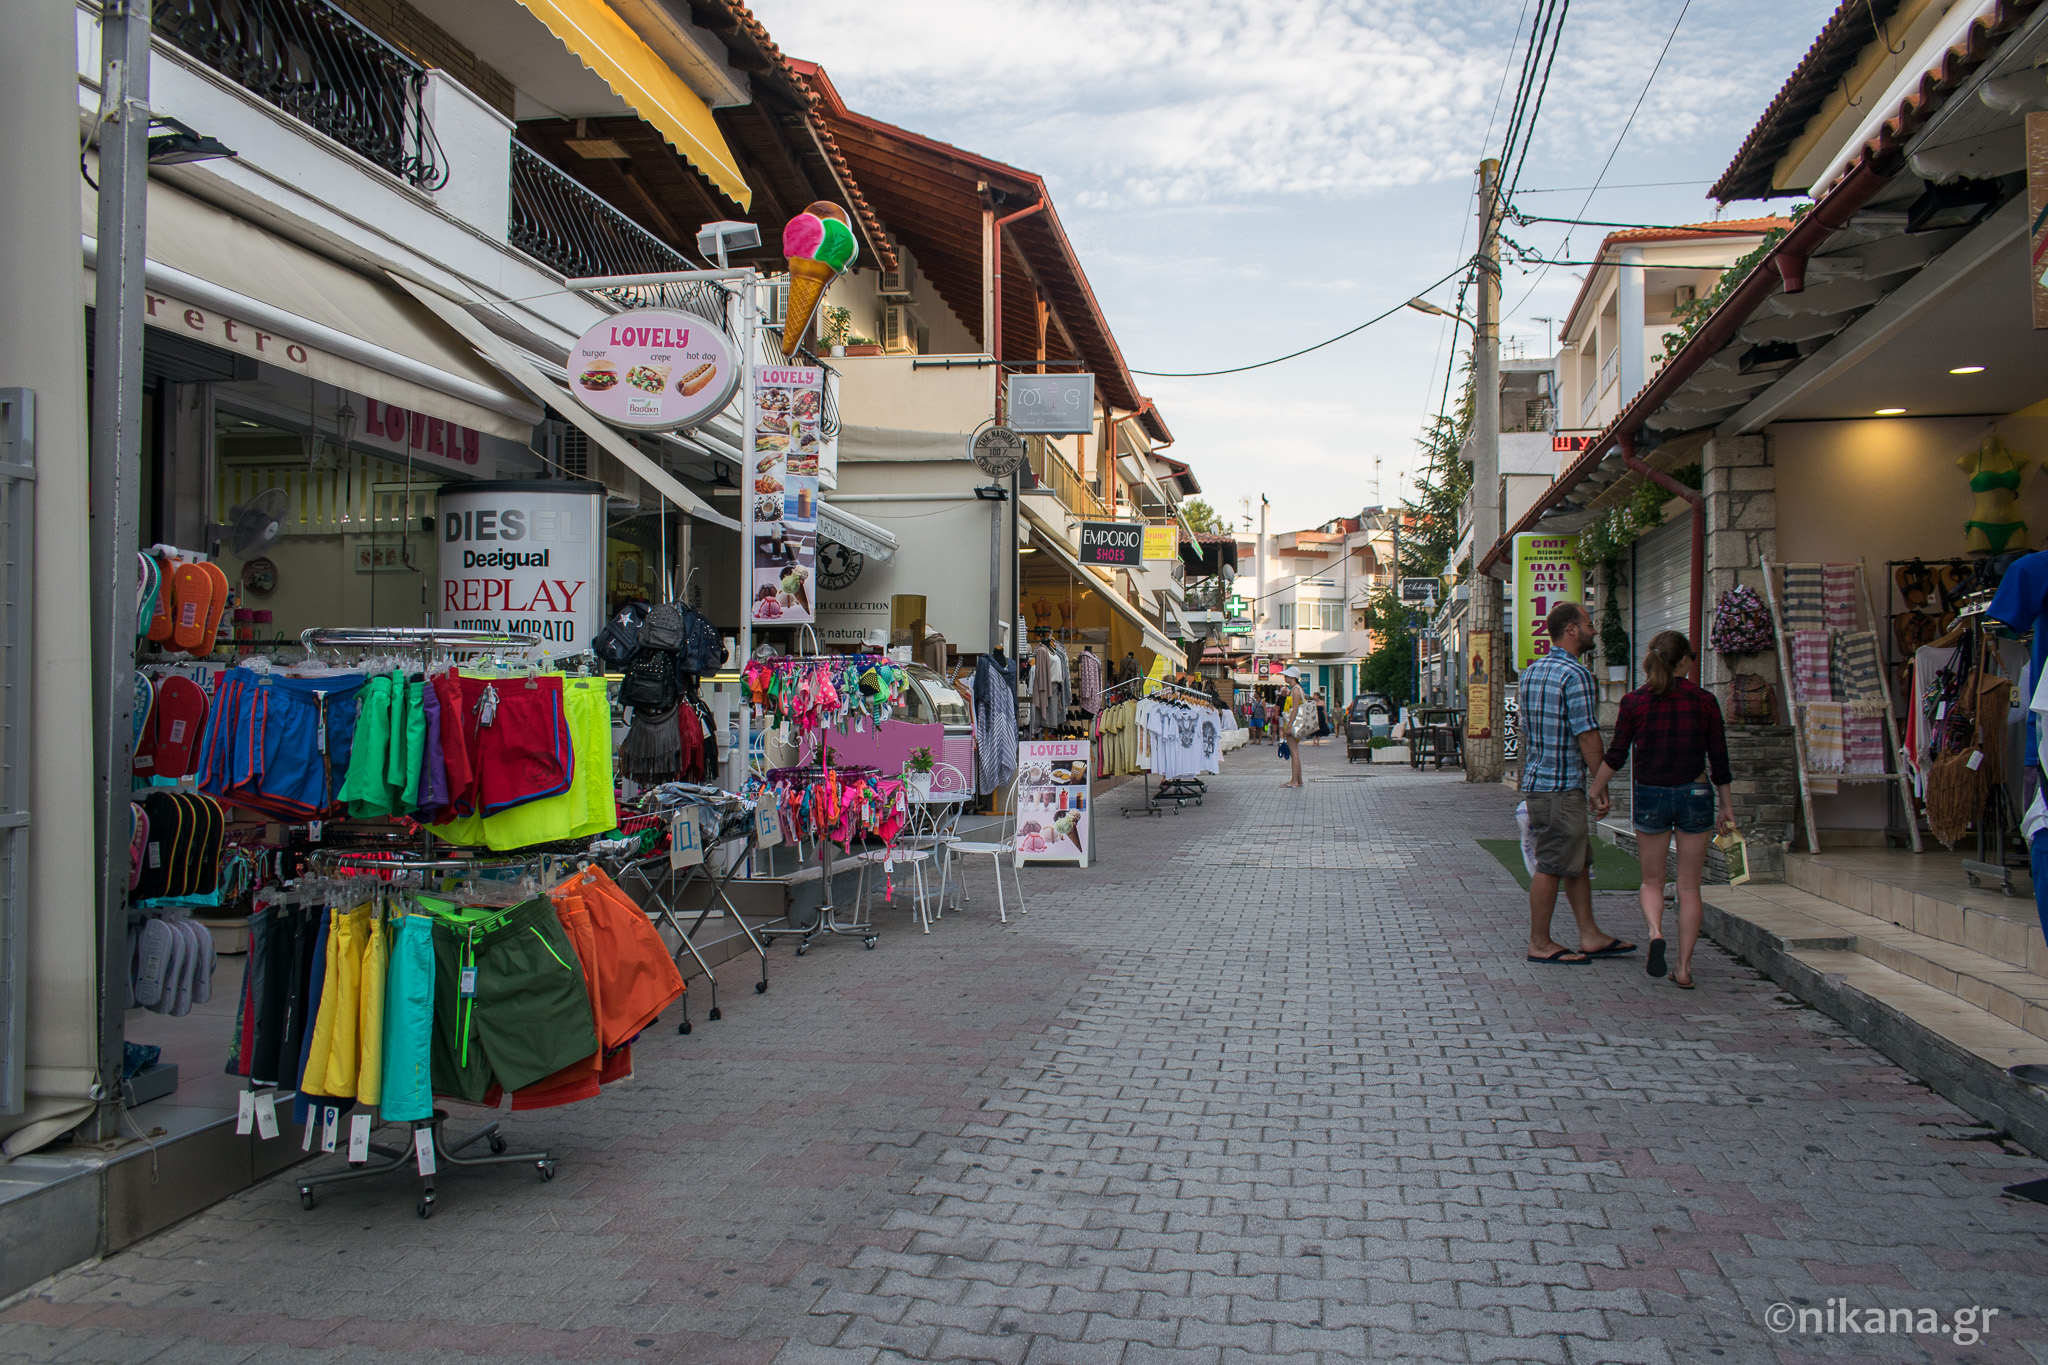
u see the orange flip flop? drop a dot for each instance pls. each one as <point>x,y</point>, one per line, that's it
<point>191,589</point>
<point>217,605</point>
<point>161,619</point>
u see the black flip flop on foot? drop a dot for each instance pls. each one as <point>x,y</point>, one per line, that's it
<point>1563,957</point>
<point>1655,966</point>
<point>1614,949</point>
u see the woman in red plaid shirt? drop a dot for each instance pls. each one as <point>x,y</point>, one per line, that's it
<point>1675,728</point>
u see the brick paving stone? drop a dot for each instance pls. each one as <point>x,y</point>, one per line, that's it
<point>1269,1081</point>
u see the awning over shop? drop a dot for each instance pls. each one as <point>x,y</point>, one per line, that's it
<point>605,43</point>
<point>863,537</point>
<point>528,376</point>
<point>225,281</point>
<point>1056,547</point>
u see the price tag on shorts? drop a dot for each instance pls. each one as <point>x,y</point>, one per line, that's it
<point>312,1126</point>
<point>684,849</point>
<point>266,1115</point>
<point>469,982</point>
<point>245,1113</point>
<point>358,1139</point>
<point>767,824</point>
<point>330,1121</point>
<point>423,1149</point>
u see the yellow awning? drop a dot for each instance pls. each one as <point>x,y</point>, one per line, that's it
<point>603,42</point>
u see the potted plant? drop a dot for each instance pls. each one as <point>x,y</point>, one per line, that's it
<point>917,773</point>
<point>838,327</point>
<point>856,344</point>
<point>1613,639</point>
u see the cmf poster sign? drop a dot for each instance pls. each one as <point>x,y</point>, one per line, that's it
<point>1547,572</point>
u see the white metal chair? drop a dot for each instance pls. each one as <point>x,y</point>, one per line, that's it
<point>886,860</point>
<point>1003,849</point>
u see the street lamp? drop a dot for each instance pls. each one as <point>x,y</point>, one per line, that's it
<point>1425,306</point>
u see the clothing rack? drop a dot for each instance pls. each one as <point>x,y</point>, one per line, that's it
<point>426,1155</point>
<point>1179,790</point>
<point>1798,709</point>
<point>665,883</point>
<point>828,919</point>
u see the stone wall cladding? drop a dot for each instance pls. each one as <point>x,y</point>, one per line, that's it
<point>1742,531</point>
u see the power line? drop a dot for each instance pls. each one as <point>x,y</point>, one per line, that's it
<point>1637,185</point>
<point>1262,364</point>
<point>1608,164</point>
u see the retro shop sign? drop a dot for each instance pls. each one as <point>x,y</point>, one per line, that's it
<point>1547,572</point>
<point>654,370</point>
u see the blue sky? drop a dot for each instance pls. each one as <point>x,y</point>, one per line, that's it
<point>1244,179</point>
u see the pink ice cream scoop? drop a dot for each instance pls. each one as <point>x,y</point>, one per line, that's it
<point>802,235</point>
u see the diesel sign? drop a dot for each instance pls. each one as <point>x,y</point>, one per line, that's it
<point>523,556</point>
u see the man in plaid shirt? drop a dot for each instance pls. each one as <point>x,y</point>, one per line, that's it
<point>1560,746</point>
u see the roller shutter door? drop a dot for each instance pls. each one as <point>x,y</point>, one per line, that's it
<point>1662,575</point>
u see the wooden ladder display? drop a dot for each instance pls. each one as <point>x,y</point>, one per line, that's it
<point>1797,710</point>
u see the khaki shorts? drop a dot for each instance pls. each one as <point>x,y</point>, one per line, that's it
<point>1558,820</point>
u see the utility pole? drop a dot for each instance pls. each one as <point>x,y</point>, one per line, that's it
<point>1484,716</point>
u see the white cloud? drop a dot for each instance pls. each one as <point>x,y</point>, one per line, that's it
<point>1244,178</point>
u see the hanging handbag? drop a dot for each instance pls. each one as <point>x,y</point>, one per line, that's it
<point>702,650</point>
<point>650,681</point>
<point>664,628</point>
<point>1752,700</point>
<point>615,643</point>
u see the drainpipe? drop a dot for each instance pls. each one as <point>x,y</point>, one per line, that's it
<point>1627,442</point>
<point>995,325</point>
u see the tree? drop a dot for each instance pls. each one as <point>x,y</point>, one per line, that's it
<point>1429,533</point>
<point>1201,516</point>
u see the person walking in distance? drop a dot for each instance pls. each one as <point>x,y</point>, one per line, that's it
<point>1676,730</point>
<point>1560,745</point>
<point>1298,722</point>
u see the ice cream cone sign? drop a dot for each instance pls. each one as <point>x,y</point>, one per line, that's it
<point>819,243</point>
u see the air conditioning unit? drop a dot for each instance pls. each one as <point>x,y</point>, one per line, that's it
<point>899,330</point>
<point>1684,294</point>
<point>894,284</point>
<point>574,456</point>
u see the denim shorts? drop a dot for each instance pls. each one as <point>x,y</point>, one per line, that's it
<point>1688,809</point>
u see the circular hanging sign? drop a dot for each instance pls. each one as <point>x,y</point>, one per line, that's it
<point>998,452</point>
<point>654,370</point>
<point>838,567</point>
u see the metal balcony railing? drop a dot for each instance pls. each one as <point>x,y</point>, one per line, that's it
<point>558,221</point>
<point>323,68</point>
<point>1052,470</point>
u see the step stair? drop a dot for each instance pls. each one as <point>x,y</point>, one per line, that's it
<point>1949,981</point>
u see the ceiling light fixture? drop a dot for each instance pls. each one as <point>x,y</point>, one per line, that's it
<point>1967,369</point>
<point>1890,412</point>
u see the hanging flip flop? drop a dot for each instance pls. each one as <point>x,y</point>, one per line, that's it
<point>208,959</point>
<point>160,619</point>
<point>180,719</point>
<point>138,841</point>
<point>177,996</point>
<point>156,960</point>
<point>191,602</point>
<point>143,723</point>
<point>216,607</point>
<point>149,580</point>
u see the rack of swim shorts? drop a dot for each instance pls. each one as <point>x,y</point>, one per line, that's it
<point>443,970</point>
<point>696,826</point>
<point>392,1075</point>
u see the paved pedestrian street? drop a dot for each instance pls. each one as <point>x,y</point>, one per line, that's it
<point>1270,1081</point>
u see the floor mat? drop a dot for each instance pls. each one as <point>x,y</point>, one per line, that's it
<point>1613,870</point>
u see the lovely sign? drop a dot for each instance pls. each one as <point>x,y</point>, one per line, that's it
<point>654,370</point>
